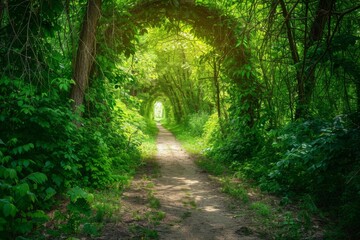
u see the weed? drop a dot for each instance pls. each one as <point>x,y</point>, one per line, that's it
<point>211,166</point>
<point>261,209</point>
<point>154,202</point>
<point>289,228</point>
<point>190,203</point>
<point>144,232</point>
<point>91,229</point>
<point>150,185</point>
<point>156,216</point>
<point>101,212</point>
<point>137,216</point>
<point>235,190</point>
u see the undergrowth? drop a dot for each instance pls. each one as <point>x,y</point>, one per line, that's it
<point>49,156</point>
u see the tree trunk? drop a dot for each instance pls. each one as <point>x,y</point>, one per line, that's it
<point>315,35</point>
<point>86,53</point>
<point>217,89</point>
<point>296,60</point>
<point>358,95</point>
<point>306,79</point>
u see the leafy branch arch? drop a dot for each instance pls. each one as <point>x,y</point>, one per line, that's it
<point>222,31</point>
<point>210,24</point>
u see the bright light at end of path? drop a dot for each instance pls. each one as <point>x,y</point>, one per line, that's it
<point>158,111</point>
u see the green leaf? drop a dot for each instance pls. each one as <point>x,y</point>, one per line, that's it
<point>28,146</point>
<point>22,189</point>
<point>37,177</point>
<point>12,142</point>
<point>57,179</point>
<point>77,192</point>
<point>38,216</point>
<point>50,192</point>
<point>67,167</point>
<point>26,163</point>
<point>32,196</point>
<point>22,149</point>
<point>10,173</point>
<point>5,159</point>
<point>23,226</point>
<point>9,209</point>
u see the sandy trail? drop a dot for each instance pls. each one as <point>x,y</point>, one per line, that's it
<point>194,206</point>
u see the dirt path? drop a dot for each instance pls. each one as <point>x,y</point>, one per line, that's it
<point>179,203</point>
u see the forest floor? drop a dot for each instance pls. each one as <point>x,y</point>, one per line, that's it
<point>171,198</point>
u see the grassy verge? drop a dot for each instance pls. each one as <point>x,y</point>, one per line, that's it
<point>192,144</point>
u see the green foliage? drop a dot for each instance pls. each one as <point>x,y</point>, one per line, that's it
<point>313,157</point>
<point>76,219</point>
<point>43,152</point>
<point>212,166</point>
<point>241,109</point>
<point>261,209</point>
<point>37,157</point>
<point>196,123</point>
<point>154,202</point>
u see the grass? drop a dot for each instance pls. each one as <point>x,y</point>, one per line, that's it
<point>191,144</point>
<point>261,209</point>
<point>153,201</point>
<point>142,232</point>
<point>148,148</point>
<point>106,203</point>
<point>213,167</point>
<point>235,190</point>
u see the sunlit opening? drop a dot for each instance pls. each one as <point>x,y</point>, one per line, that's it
<point>159,112</point>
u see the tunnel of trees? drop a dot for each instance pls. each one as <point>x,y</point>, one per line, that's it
<point>271,89</point>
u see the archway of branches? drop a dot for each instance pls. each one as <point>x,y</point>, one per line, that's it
<point>223,32</point>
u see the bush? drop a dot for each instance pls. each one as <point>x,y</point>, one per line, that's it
<point>314,158</point>
<point>43,152</point>
<point>196,123</point>
<point>321,159</point>
<point>38,153</point>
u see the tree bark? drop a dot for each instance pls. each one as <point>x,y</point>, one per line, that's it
<point>86,53</point>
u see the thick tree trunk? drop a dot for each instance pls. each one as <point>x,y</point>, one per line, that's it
<point>86,52</point>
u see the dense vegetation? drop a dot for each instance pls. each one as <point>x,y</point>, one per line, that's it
<point>270,89</point>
